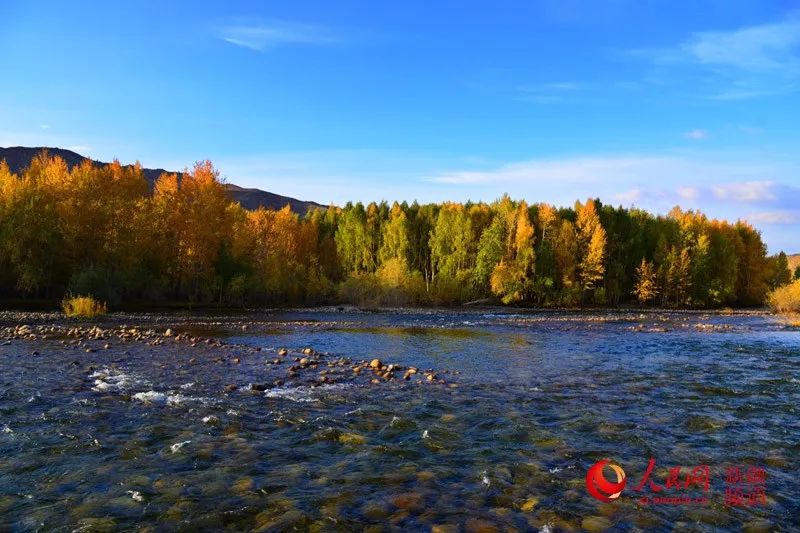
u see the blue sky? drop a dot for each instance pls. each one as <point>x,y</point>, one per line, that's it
<point>650,104</point>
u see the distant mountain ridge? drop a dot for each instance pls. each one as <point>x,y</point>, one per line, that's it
<point>19,157</point>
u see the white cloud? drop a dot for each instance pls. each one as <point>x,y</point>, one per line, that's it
<point>687,193</point>
<point>260,35</point>
<point>629,197</point>
<point>737,64</point>
<point>751,191</point>
<point>757,48</point>
<point>696,134</point>
<point>783,217</point>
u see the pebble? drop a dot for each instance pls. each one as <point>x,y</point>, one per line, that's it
<point>479,525</point>
<point>596,524</point>
<point>759,525</point>
<point>210,420</point>
<point>529,504</point>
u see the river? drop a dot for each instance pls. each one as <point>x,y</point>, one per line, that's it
<point>205,427</point>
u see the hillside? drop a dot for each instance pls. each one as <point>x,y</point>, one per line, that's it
<point>19,157</point>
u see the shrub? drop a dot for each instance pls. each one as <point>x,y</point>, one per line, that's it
<point>785,299</point>
<point>82,307</point>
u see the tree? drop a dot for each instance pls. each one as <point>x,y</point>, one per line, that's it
<point>797,272</point>
<point>513,278</point>
<point>451,241</point>
<point>646,288</point>
<point>395,238</point>
<point>353,243</point>
<point>99,229</point>
<point>591,246</point>
<point>781,274</point>
<point>490,252</point>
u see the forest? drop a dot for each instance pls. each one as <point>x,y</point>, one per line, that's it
<point>104,230</point>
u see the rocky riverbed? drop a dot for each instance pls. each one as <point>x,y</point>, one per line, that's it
<point>330,420</point>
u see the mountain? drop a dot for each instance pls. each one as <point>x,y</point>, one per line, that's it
<point>19,157</point>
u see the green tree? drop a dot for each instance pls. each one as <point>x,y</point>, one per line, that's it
<point>781,275</point>
<point>396,242</point>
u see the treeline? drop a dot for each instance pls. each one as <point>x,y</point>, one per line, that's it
<point>103,230</point>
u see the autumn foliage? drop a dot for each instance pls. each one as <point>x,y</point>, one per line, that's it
<point>106,231</point>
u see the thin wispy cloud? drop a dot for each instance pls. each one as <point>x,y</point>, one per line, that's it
<point>549,93</point>
<point>751,191</point>
<point>606,169</point>
<point>779,218</point>
<point>763,48</point>
<point>696,134</point>
<point>738,64</point>
<point>697,180</point>
<point>262,35</point>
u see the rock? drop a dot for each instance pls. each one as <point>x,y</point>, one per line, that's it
<point>245,484</point>
<point>106,346</point>
<point>408,501</point>
<point>759,525</point>
<point>375,363</point>
<point>352,439</point>
<point>258,387</point>
<point>230,387</point>
<point>308,351</point>
<point>596,524</point>
<point>529,504</point>
<point>283,352</point>
<point>374,511</point>
<point>236,360</point>
<point>479,525</point>
<point>168,333</point>
<point>97,525</point>
<point>210,420</point>
<point>304,361</point>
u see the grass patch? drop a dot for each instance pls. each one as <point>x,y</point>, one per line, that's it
<point>83,307</point>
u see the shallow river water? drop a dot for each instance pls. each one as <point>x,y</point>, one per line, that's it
<point>117,433</point>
